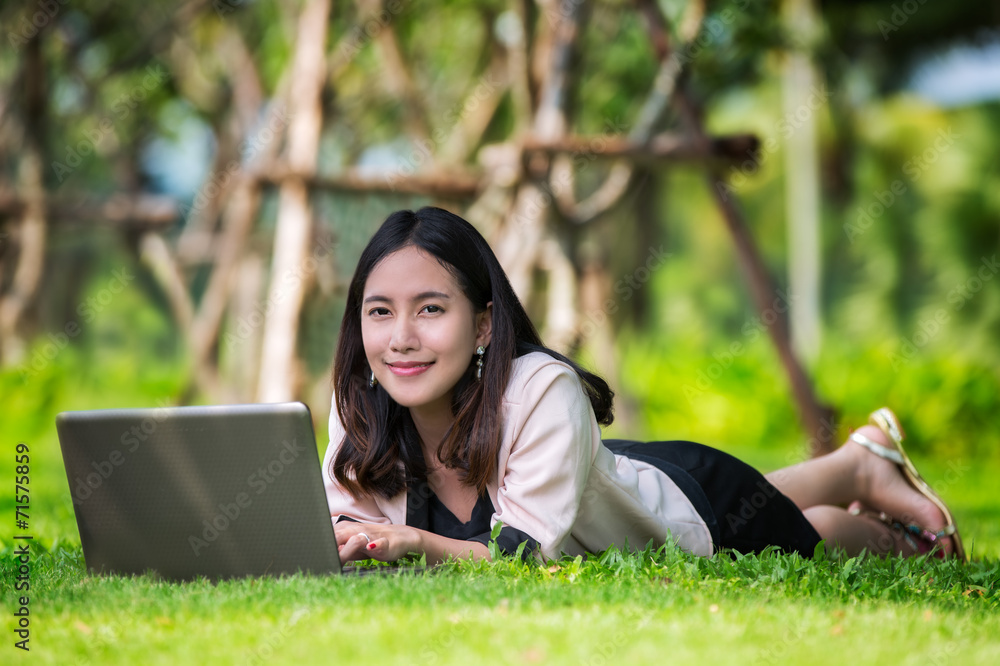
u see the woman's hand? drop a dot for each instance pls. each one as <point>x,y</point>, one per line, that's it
<point>386,543</point>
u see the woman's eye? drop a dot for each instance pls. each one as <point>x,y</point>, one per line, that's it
<point>433,309</point>
<point>378,312</point>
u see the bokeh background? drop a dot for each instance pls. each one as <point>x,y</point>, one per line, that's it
<point>760,220</point>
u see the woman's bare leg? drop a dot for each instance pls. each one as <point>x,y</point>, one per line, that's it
<point>853,473</point>
<point>836,478</point>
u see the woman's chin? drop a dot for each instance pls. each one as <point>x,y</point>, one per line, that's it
<point>419,401</point>
<point>405,398</point>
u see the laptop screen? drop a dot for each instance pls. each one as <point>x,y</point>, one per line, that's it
<point>220,491</point>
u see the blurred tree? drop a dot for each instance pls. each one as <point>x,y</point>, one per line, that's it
<point>549,122</point>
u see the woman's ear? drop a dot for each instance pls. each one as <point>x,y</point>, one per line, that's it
<point>484,326</point>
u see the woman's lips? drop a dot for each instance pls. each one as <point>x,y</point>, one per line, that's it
<point>408,369</point>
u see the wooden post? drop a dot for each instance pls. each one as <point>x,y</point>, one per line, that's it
<point>279,363</point>
<point>31,232</point>
<point>802,195</point>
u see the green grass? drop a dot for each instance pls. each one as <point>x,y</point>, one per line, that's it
<point>617,608</point>
<point>637,608</point>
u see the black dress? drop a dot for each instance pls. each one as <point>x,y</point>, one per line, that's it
<point>743,511</point>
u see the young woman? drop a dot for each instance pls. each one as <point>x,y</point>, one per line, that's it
<point>449,415</point>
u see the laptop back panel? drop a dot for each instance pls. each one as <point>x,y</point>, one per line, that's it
<point>221,491</point>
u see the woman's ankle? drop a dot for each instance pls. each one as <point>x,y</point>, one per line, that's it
<point>867,462</point>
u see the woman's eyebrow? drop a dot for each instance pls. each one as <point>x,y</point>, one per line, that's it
<point>418,297</point>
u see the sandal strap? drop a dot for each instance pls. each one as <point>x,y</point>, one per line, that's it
<point>946,531</point>
<point>876,448</point>
<point>910,533</point>
<point>928,537</point>
<point>919,538</point>
<point>886,421</point>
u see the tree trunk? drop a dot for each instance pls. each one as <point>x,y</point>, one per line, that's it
<point>242,362</point>
<point>561,312</point>
<point>524,229</point>
<point>31,233</point>
<point>802,205</point>
<point>279,368</point>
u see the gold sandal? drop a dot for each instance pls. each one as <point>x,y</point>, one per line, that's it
<point>887,422</point>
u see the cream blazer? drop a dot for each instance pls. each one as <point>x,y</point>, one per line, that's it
<point>555,480</point>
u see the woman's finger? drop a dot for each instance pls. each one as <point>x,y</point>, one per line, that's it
<point>345,532</point>
<point>352,551</point>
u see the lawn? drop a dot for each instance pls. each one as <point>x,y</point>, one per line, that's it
<point>641,608</point>
<point>634,608</point>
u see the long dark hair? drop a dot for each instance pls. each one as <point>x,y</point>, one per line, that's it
<point>379,432</point>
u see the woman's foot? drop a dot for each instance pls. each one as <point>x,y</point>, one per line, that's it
<point>896,537</point>
<point>856,533</point>
<point>886,490</point>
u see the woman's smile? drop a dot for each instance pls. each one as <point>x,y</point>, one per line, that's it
<point>408,368</point>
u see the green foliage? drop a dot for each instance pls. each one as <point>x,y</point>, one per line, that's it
<point>493,546</point>
<point>707,393</point>
<point>616,68</point>
<point>911,306</point>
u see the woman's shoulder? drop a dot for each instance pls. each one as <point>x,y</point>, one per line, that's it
<point>534,362</point>
<point>535,372</point>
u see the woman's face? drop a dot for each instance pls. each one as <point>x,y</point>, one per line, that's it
<point>420,331</point>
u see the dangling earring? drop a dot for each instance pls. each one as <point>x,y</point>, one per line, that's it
<point>372,383</point>
<point>480,350</point>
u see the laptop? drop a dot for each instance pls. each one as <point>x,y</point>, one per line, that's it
<point>183,492</point>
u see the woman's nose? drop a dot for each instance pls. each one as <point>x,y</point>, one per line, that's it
<point>404,335</point>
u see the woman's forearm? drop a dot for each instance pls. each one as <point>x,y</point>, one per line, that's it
<point>438,548</point>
